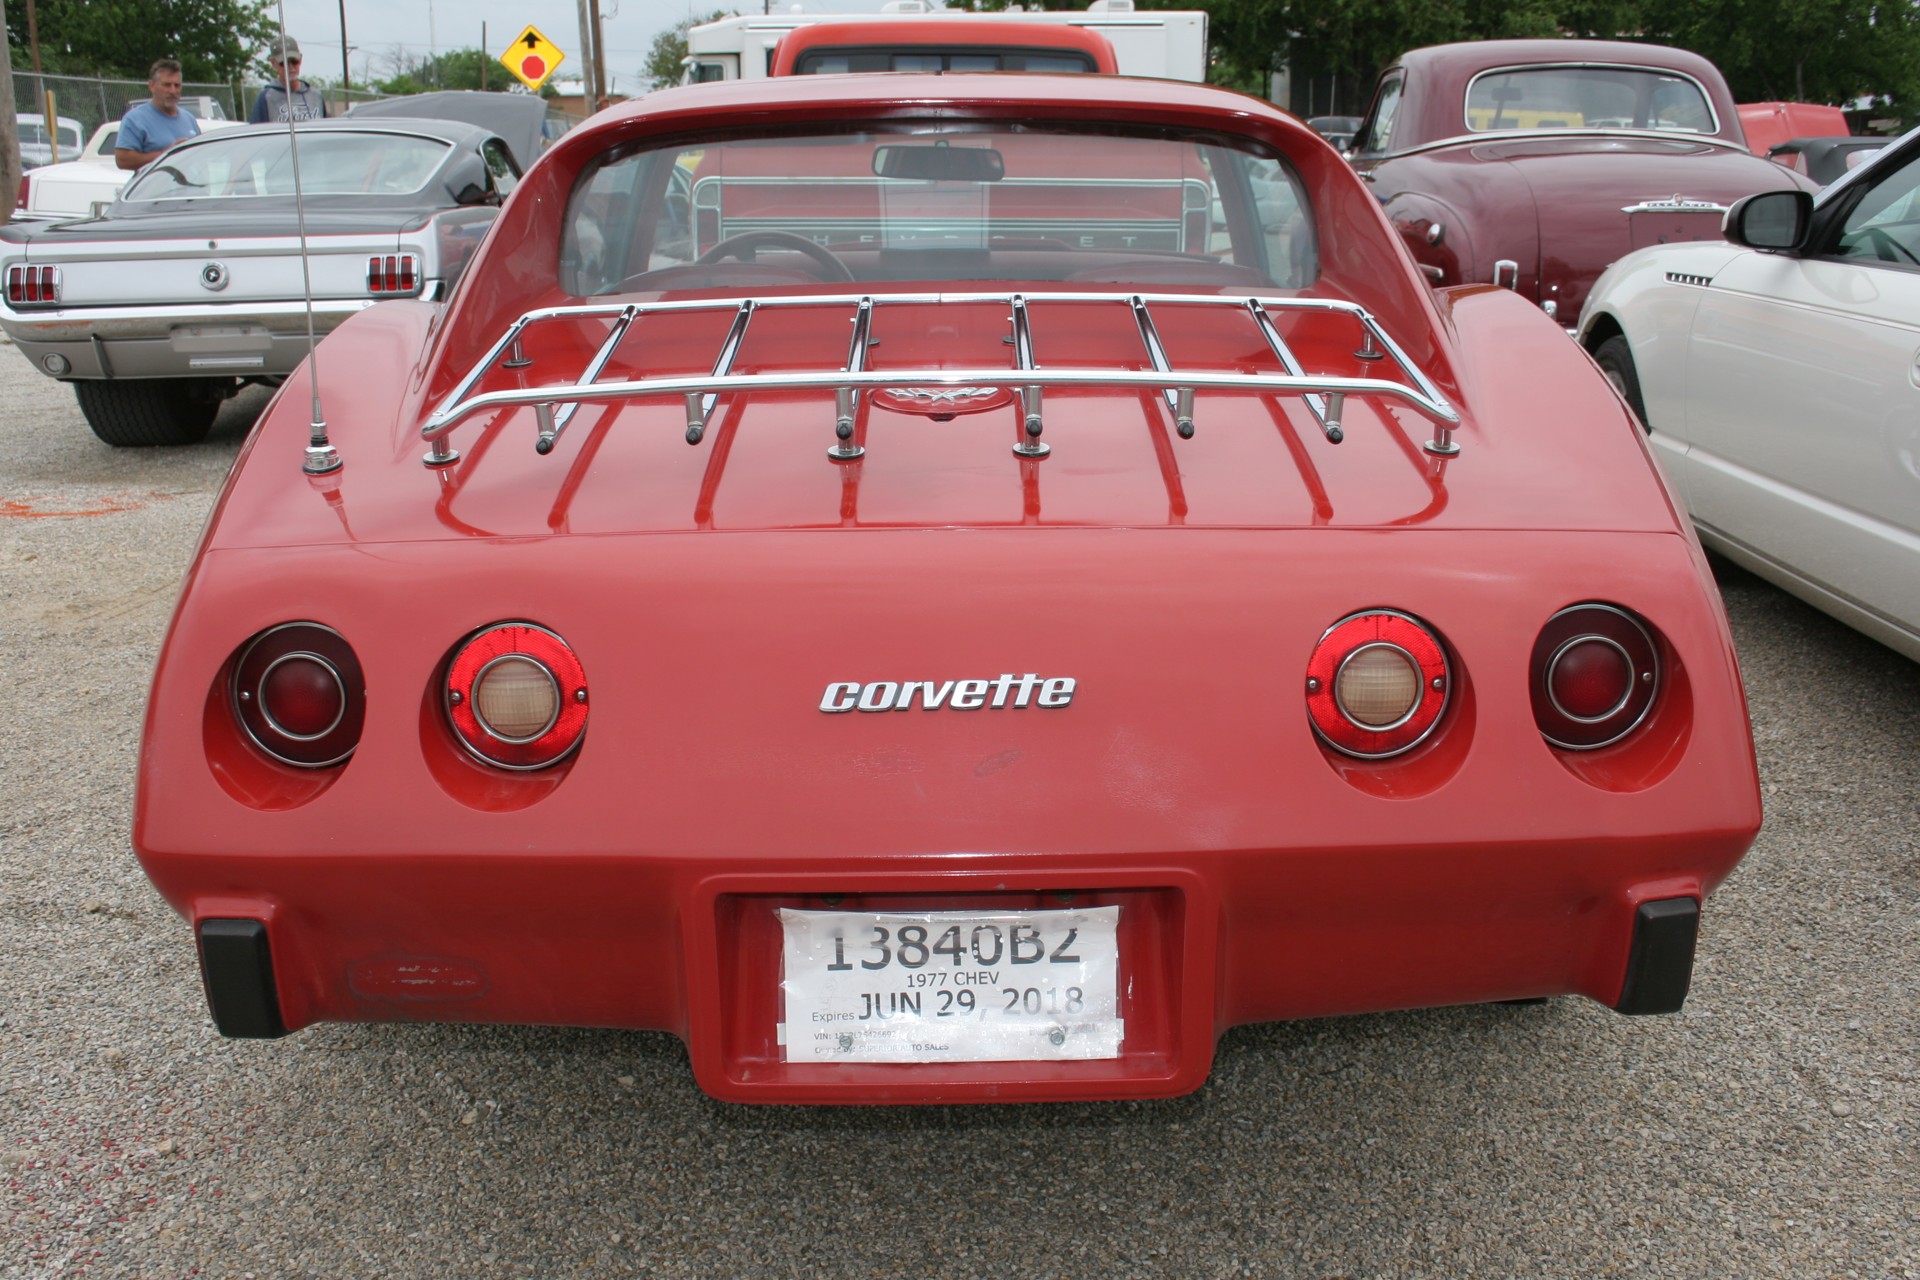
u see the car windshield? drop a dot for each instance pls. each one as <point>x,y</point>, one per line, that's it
<point>259,163</point>
<point>1587,98</point>
<point>935,202</point>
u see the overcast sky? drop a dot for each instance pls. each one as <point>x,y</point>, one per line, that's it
<point>376,29</point>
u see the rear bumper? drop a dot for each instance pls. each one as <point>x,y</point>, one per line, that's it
<point>175,342</point>
<point>1207,942</point>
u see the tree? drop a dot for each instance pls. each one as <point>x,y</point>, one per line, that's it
<point>455,69</point>
<point>214,40</point>
<point>1806,50</point>
<point>670,49</point>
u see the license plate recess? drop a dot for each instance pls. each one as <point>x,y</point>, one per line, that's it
<point>1163,1006</point>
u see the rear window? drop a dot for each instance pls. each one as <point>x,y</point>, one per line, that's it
<point>940,202</point>
<point>1588,98</point>
<point>260,163</point>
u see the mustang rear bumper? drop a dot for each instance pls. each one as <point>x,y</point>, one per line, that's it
<point>1205,943</point>
<point>250,339</point>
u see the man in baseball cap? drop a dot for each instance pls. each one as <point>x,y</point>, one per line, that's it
<point>286,95</point>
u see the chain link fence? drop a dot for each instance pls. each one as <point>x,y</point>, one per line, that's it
<point>83,103</point>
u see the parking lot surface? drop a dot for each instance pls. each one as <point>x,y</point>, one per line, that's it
<point>1772,1129</point>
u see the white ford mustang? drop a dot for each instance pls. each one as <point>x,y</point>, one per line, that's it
<point>1778,374</point>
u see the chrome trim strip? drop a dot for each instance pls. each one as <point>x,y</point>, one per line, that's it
<point>74,323</point>
<point>1674,204</point>
<point>1526,135</point>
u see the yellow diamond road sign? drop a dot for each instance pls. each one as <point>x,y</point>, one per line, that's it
<point>532,57</point>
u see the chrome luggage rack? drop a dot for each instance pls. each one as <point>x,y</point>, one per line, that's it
<point>556,403</point>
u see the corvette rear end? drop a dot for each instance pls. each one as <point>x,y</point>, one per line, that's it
<point>977,639</point>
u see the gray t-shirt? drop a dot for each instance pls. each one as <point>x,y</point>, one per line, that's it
<point>274,104</point>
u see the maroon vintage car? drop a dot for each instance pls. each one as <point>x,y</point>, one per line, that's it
<point>1535,163</point>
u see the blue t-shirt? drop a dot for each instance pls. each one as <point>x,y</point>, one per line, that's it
<point>147,128</point>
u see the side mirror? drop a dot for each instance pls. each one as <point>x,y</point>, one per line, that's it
<point>1772,220</point>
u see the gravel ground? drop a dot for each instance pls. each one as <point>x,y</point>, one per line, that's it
<point>1770,1130</point>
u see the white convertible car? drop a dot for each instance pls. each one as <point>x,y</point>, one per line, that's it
<point>1778,374</point>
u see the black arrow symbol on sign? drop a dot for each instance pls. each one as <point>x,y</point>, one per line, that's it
<point>531,40</point>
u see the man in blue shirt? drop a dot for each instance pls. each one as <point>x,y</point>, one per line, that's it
<point>149,128</point>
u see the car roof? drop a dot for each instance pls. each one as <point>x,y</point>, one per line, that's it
<point>515,117</point>
<point>1476,55</point>
<point>446,130</point>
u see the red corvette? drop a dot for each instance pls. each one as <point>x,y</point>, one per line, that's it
<point>1050,586</point>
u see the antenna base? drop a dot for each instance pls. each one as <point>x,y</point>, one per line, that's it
<point>321,459</point>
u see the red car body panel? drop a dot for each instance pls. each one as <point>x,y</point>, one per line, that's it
<point>1552,201</point>
<point>711,593</point>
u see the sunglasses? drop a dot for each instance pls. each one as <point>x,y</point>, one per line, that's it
<point>290,62</point>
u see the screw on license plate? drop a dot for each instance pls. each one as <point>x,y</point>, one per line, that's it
<point>846,1043</point>
<point>1058,1035</point>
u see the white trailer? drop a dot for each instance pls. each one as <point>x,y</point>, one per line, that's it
<point>1168,44</point>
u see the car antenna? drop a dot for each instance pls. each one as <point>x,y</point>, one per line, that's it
<point>322,458</point>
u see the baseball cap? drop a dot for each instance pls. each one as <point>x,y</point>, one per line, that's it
<point>292,50</point>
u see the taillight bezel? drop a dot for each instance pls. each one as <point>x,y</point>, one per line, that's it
<point>248,695</point>
<point>1415,640</point>
<point>486,648</point>
<point>33,285</point>
<point>1617,628</point>
<point>394,275</point>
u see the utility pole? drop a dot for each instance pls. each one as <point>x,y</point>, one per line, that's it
<point>9,127</point>
<point>592,90</point>
<point>599,61</point>
<point>41,92</point>
<point>346,76</point>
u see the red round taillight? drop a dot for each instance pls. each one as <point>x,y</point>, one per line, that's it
<point>1376,684</point>
<point>1594,676</point>
<point>298,692</point>
<point>517,697</point>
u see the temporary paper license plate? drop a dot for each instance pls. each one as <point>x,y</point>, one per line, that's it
<point>950,986</point>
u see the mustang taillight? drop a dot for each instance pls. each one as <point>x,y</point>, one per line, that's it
<point>1594,675</point>
<point>393,273</point>
<point>25,193</point>
<point>298,691</point>
<point>33,286</point>
<point>1377,683</point>
<point>516,696</point>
